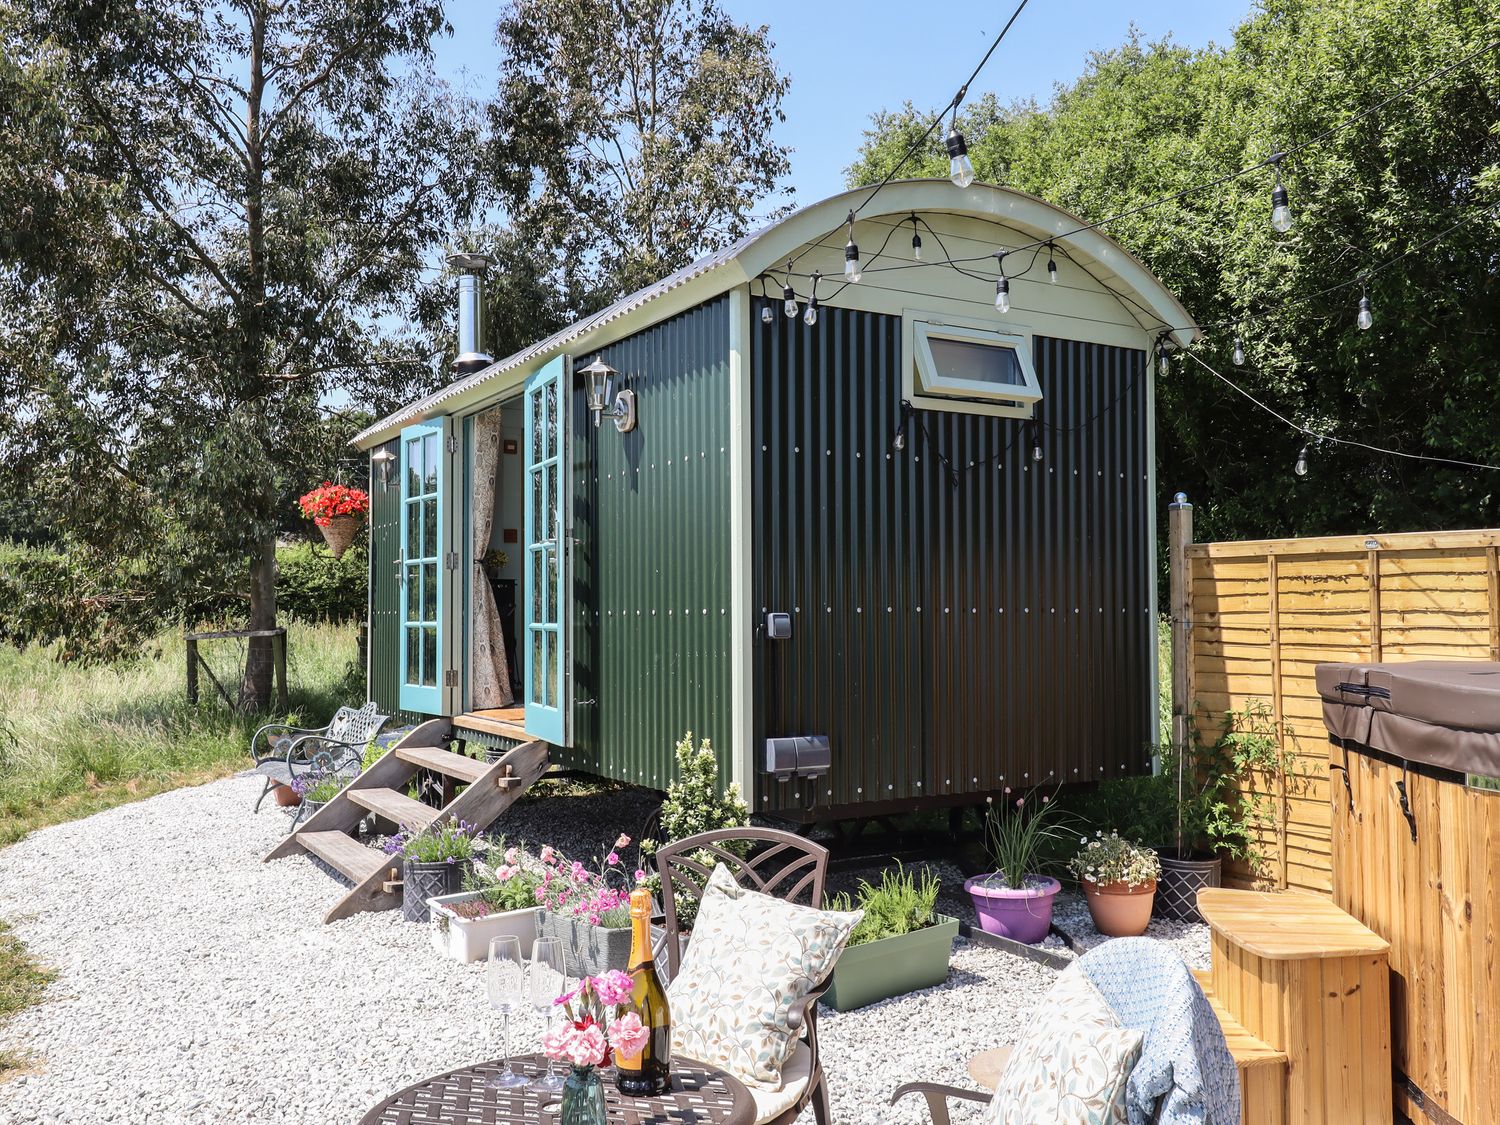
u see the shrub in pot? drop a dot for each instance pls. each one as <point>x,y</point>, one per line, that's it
<point>900,945</point>
<point>433,864</point>
<point>316,789</point>
<point>1119,883</point>
<point>1015,900</point>
<point>587,910</point>
<point>495,902</point>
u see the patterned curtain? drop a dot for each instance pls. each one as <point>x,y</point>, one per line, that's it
<point>489,670</point>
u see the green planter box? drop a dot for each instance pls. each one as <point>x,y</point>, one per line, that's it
<point>892,966</point>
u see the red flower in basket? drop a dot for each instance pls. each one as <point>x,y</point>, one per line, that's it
<point>338,510</point>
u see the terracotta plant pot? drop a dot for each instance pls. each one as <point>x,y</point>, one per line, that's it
<point>1021,915</point>
<point>1118,909</point>
<point>286,796</point>
<point>339,532</point>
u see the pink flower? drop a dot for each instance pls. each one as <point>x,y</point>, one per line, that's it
<point>614,987</point>
<point>1020,801</point>
<point>567,997</point>
<point>587,1046</point>
<point>541,894</point>
<point>627,1036</point>
<point>548,854</point>
<point>640,876</point>
<point>511,855</point>
<point>623,841</point>
<point>555,1043</point>
<point>613,857</point>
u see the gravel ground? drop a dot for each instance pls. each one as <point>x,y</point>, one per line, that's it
<point>199,985</point>
<point>1070,913</point>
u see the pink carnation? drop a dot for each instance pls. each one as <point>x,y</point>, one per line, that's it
<point>640,876</point>
<point>613,857</point>
<point>623,841</point>
<point>555,1043</point>
<point>586,1046</point>
<point>511,855</point>
<point>627,1035</point>
<point>547,853</point>
<point>614,987</point>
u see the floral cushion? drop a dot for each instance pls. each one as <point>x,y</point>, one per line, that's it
<point>1072,1065</point>
<point>751,959</point>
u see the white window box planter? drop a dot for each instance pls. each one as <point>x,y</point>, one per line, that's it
<point>468,939</point>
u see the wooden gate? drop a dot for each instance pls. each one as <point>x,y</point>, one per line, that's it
<point>1252,620</point>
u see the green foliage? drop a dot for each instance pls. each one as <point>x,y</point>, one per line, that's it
<point>1146,120</point>
<point>312,585</point>
<point>449,842</point>
<point>1112,858</point>
<point>1140,808</point>
<point>325,790</point>
<point>628,139</point>
<point>512,887</point>
<point>902,903</point>
<point>694,801</point>
<point>77,738</point>
<point>1019,835</point>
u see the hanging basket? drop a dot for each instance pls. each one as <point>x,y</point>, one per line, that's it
<point>339,532</point>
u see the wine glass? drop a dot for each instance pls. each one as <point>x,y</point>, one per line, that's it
<point>505,983</point>
<point>549,980</point>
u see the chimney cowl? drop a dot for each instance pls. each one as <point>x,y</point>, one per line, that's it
<point>471,357</point>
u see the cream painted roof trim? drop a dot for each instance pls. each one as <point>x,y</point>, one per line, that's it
<point>769,247</point>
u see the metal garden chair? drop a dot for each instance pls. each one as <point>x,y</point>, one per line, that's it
<point>775,863</point>
<point>282,752</point>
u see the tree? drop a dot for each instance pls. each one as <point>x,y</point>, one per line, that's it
<point>1148,120</point>
<point>209,210</point>
<point>629,138</point>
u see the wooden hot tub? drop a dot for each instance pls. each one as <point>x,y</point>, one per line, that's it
<point>1416,857</point>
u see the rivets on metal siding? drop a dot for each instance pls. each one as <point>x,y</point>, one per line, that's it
<point>919,785</point>
<point>762,449</point>
<point>888,609</point>
<point>796,609</point>
<point>919,609</point>
<point>887,456</point>
<point>889,786</point>
<point>827,453</point>
<point>828,609</point>
<point>976,781</point>
<point>859,609</point>
<point>948,782</point>
<point>653,613</point>
<point>798,449</point>
<point>1026,609</point>
<point>946,609</point>
<point>1024,776</point>
<point>857,456</point>
<point>859,791</point>
<point>1052,610</point>
<point>974,609</point>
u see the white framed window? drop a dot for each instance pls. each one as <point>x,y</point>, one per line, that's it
<point>968,367</point>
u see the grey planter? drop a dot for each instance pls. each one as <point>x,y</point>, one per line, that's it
<point>893,966</point>
<point>421,881</point>
<point>587,949</point>
<point>1181,880</point>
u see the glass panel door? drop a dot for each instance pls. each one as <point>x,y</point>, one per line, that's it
<point>547,579</point>
<point>423,534</point>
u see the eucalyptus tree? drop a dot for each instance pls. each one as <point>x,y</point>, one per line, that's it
<point>213,211</point>
<point>630,137</point>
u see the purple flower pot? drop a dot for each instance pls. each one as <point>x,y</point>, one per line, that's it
<point>1021,915</point>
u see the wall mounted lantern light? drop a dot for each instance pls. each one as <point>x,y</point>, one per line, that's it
<point>383,459</point>
<point>604,400</point>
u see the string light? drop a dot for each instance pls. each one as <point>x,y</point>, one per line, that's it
<point>1002,287</point>
<point>1366,318</point>
<point>766,315</point>
<point>1300,468</point>
<point>898,443</point>
<point>810,317</point>
<point>1163,357</point>
<point>916,240</point>
<point>1036,442</point>
<point>852,272</point>
<point>1051,265</point>
<point>960,167</point>
<point>1281,208</point>
<point>789,301</point>
<point>1239,352</point>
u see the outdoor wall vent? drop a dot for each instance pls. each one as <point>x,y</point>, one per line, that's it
<point>800,755</point>
<point>471,269</point>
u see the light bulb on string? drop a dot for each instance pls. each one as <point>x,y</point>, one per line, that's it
<point>766,315</point>
<point>916,241</point>
<point>1281,208</point>
<point>1164,359</point>
<point>852,272</point>
<point>1366,317</point>
<point>1051,265</point>
<point>789,301</point>
<point>810,317</point>
<point>960,167</point>
<point>898,443</point>
<point>1239,352</point>
<point>1036,442</point>
<point>1300,468</point>
<point>1002,285</point>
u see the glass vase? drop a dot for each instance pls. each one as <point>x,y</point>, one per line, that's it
<point>582,1098</point>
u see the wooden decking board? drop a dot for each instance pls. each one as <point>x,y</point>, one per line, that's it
<point>395,807</point>
<point>443,761</point>
<point>488,722</point>
<point>1248,1051</point>
<point>1287,927</point>
<point>344,853</point>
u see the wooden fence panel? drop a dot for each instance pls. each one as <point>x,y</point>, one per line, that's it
<point>1259,616</point>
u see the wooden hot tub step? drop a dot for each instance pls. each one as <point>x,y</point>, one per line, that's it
<point>345,854</point>
<point>443,761</point>
<point>396,807</point>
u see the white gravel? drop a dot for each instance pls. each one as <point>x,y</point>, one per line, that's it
<point>197,984</point>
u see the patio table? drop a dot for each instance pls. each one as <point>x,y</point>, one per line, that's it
<point>700,1095</point>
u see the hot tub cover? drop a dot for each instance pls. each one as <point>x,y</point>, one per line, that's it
<point>1444,713</point>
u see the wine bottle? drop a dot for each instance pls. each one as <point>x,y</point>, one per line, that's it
<point>646,1073</point>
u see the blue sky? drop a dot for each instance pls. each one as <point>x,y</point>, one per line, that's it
<point>847,60</point>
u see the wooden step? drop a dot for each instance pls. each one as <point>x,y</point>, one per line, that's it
<point>345,854</point>
<point>395,807</point>
<point>443,761</point>
<point>1248,1051</point>
<point>485,724</point>
<point>1262,1068</point>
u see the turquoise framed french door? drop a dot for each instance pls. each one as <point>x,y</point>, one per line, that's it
<point>548,579</point>
<point>424,533</point>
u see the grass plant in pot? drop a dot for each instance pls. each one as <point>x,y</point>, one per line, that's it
<point>495,902</point>
<point>1015,900</point>
<point>433,864</point>
<point>316,789</point>
<point>587,910</point>
<point>1119,883</point>
<point>900,945</point>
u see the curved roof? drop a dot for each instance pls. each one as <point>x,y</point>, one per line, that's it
<point>765,249</point>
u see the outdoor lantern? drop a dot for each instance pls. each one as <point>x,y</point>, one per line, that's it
<point>382,459</point>
<point>620,406</point>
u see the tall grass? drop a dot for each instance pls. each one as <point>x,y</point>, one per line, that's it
<point>75,740</point>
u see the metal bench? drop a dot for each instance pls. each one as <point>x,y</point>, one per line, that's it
<point>282,751</point>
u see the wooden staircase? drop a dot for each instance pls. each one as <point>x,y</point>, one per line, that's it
<point>489,789</point>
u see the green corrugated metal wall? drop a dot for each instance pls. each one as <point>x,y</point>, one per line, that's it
<point>385,591</point>
<point>950,640</point>
<point>651,643</point>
